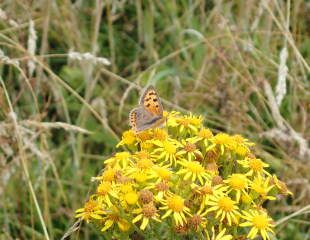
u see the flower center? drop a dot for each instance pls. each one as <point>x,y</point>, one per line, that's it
<point>143,154</point>
<point>170,148</point>
<point>190,147</point>
<point>216,180</point>
<point>260,221</point>
<point>226,204</point>
<point>237,182</point>
<point>241,150</point>
<point>109,175</point>
<point>160,135</point>
<point>145,196</point>
<point>212,155</point>
<point>163,173</point>
<point>238,138</point>
<point>144,135</point>
<point>144,163</point>
<point>140,176</point>
<point>125,188</point>
<point>162,187</point>
<point>90,206</point>
<point>222,138</point>
<point>131,198</point>
<point>256,164</point>
<point>195,167</point>
<point>196,220</point>
<point>205,133</point>
<point>206,190</point>
<point>175,203</point>
<point>212,167</point>
<point>149,210</point>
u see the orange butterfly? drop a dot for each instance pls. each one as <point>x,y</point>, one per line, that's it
<point>149,114</point>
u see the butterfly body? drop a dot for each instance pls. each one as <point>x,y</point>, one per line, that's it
<point>149,113</point>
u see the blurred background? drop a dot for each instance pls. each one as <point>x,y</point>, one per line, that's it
<point>69,68</point>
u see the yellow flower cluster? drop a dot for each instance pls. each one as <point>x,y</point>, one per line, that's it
<point>183,179</point>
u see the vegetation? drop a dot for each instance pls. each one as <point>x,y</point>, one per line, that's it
<point>71,71</point>
<point>183,181</point>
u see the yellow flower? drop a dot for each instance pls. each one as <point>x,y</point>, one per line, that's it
<point>222,141</point>
<point>171,119</point>
<point>241,140</point>
<point>166,151</point>
<point>186,124</point>
<point>260,222</point>
<point>143,154</point>
<point>126,187</point>
<point>131,198</point>
<point>224,207</point>
<point>160,134</point>
<point>104,191</point>
<point>189,149</point>
<point>146,213</point>
<point>141,169</point>
<point>109,174</point>
<point>128,138</point>
<point>120,160</point>
<point>193,170</point>
<point>238,183</point>
<point>161,188</point>
<point>174,204</point>
<point>193,182</point>
<point>92,210</point>
<point>161,173</point>
<point>262,187</point>
<point>220,236</point>
<point>144,136</point>
<point>241,146</point>
<point>207,191</point>
<point>113,217</point>
<point>254,166</point>
<point>141,176</point>
<point>204,135</point>
<point>127,194</point>
<point>147,146</point>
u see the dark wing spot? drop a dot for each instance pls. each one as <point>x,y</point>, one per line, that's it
<point>152,93</point>
<point>147,105</point>
<point>156,106</point>
<point>155,100</point>
<point>148,99</point>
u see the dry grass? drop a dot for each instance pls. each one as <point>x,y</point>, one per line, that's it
<point>244,65</point>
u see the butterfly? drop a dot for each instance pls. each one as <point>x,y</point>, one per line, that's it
<point>149,113</point>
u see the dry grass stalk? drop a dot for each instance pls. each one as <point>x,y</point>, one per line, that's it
<point>31,46</point>
<point>284,131</point>
<point>50,125</point>
<point>88,57</point>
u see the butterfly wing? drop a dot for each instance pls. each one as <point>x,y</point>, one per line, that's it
<point>140,119</point>
<point>151,101</point>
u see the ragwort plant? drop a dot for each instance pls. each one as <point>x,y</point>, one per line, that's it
<point>183,180</point>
